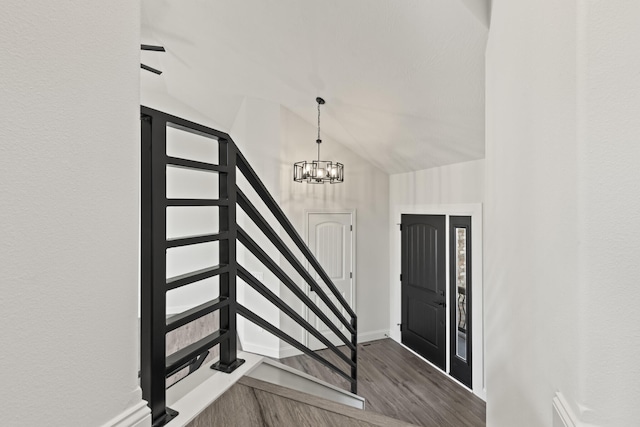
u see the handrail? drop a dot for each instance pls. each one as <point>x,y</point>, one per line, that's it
<point>155,364</point>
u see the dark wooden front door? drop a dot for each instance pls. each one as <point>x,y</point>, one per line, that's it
<point>423,286</point>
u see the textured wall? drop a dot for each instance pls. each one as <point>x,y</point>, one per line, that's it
<point>69,184</point>
<point>609,203</point>
<point>561,191</point>
<point>532,290</point>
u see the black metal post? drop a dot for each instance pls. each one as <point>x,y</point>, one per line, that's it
<point>153,268</point>
<point>227,215</point>
<point>354,356</point>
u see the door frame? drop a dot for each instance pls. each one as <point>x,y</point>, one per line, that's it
<point>473,210</point>
<point>352,212</point>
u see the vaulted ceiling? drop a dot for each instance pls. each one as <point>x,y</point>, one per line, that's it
<point>403,79</point>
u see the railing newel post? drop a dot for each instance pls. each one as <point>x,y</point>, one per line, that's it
<point>153,266</point>
<point>227,190</point>
<point>354,355</point>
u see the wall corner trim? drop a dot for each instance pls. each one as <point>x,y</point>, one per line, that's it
<point>138,415</point>
<point>563,416</point>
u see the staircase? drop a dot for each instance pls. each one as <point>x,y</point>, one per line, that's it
<point>255,403</point>
<point>266,393</point>
<point>235,373</point>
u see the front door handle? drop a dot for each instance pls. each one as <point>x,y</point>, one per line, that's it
<point>441,304</point>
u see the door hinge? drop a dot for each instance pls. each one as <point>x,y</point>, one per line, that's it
<point>351,228</point>
<point>401,277</point>
<point>400,324</point>
<point>351,275</point>
<point>400,227</point>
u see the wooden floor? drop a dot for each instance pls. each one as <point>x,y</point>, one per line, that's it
<point>255,403</point>
<point>400,385</point>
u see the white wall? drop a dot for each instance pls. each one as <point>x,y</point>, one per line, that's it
<point>456,189</point>
<point>532,292</point>
<point>365,189</point>
<point>69,157</point>
<point>256,131</point>
<point>561,161</point>
<point>608,154</point>
<point>451,184</point>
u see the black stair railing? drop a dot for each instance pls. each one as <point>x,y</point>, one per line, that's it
<point>156,366</point>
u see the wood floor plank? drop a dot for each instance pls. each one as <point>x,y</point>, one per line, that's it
<point>281,412</point>
<point>367,417</point>
<point>398,384</point>
<point>238,406</point>
<point>255,403</point>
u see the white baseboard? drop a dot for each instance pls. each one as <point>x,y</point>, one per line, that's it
<point>563,416</point>
<point>138,415</point>
<point>261,350</point>
<point>373,335</point>
<point>290,351</point>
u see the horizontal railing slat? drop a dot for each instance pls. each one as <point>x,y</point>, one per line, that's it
<point>197,202</point>
<point>262,256</point>
<point>196,276</point>
<point>244,274</point>
<point>273,237</point>
<point>183,357</point>
<point>196,312</point>
<point>252,317</point>
<point>184,125</point>
<point>277,212</point>
<point>195,165</point>
<point>193,240</point>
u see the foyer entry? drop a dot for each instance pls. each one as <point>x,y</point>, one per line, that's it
<point>425,300</point>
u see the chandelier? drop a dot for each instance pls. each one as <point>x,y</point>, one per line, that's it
<point>318,171</point>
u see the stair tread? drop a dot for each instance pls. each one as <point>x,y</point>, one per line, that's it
<point>366,417</point>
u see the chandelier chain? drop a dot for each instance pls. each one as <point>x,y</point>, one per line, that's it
<point>319,140</point>
<point>318,121</point>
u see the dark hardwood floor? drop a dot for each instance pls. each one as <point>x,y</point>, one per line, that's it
<point>398,384</point>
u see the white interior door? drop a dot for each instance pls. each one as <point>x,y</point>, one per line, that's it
<point>330,237</point>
